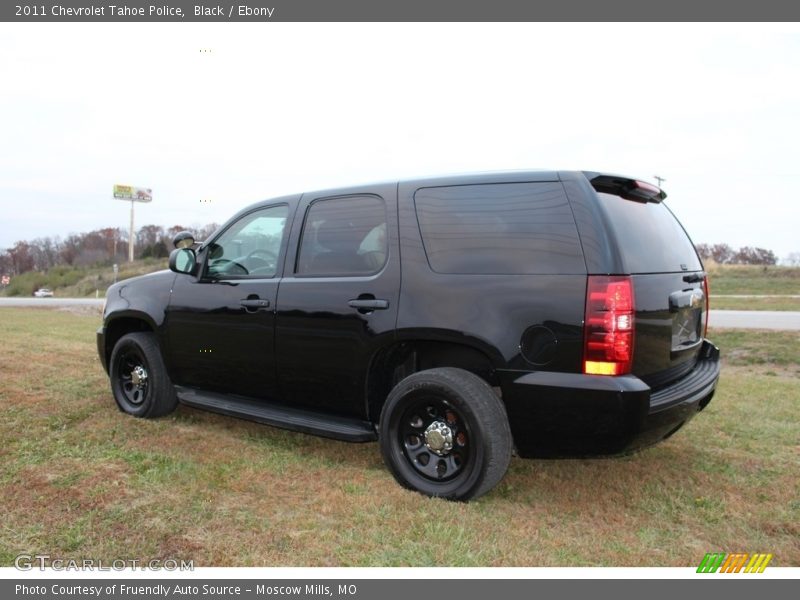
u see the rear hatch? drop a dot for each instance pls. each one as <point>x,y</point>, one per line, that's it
<point>668,284</point>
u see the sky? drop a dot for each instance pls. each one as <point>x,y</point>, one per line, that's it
<point>216,116</point>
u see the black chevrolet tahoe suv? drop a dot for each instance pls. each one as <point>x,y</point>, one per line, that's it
<point>456,320</point>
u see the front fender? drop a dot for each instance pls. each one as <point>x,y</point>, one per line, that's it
<point>137,304</point>
<point>145,298</point>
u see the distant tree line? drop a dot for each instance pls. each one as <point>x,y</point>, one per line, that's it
<point>99,247</point>
<point>792,260</point>
<point>746,255</point>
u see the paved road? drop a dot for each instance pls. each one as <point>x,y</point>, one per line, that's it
<point>50,302</point>
<point>742,319</point>
<point>755,319</point>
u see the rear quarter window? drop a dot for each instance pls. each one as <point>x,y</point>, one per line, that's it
<point>509,228</point>
<point>650,238</point>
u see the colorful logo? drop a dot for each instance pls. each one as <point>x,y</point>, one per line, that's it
<point>734,563</point>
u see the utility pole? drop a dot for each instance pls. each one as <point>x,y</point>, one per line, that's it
<point>130,237</point>
<point>659,180</point>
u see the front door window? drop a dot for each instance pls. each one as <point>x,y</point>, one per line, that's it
<point>250,247</point>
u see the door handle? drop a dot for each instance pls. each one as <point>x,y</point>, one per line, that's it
<point>368,304</point>
<point>254,303</point>
<point>694,277</point>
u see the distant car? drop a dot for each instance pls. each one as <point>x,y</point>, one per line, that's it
<point>43,293</point>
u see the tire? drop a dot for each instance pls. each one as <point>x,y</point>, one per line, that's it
<point>444,433</point>
<point>139,379</point>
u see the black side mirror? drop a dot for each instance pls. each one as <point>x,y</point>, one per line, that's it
<point>183,239</point>
<point>183,260</point>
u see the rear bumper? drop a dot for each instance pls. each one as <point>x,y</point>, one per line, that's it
<point>570,414</point>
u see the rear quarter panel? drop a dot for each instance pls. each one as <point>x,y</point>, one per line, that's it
<point>488,312</point>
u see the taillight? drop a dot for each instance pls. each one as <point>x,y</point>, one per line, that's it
<point>708,305</point>
<point>608,327</point>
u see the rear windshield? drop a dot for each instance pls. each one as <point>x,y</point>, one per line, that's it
<point>650,238</point>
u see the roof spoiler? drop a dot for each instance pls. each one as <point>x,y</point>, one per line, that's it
<point>629,189</point>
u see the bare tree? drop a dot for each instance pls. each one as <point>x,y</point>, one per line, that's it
<point>6,264</point>
<point>722,253</point>
<point>204,232</point>
<point>747,255</point>
<point>21,258</point>
<point>792,259</point>
<point>704,251</point>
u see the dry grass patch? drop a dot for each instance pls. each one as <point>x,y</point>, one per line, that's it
<point>752,279</point>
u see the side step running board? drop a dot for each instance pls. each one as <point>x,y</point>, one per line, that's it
<point>331,426</point>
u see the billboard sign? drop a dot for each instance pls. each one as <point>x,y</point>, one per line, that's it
<point>130,192</point>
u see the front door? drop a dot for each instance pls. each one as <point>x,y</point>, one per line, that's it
<point>220,326</point>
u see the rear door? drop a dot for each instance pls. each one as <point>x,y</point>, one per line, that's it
<point>337,302</point>
<point>669,293</point>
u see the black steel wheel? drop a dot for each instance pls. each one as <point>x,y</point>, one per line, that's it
<point>444,432</point>
<point>435,438</point>
<point>139,379</point>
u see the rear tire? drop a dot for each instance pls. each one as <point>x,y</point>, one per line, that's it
<point>444,433</point>
<point>139,379</point>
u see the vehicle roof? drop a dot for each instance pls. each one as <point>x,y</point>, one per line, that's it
<point>506,176</point>
<point>456,179</point>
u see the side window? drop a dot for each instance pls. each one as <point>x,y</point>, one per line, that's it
<point>504,228</point>
<point>343,236</point>
<point>250,247</point>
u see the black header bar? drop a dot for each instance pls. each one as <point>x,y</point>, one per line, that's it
<point>399,10</point>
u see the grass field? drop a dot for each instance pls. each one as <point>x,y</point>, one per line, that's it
<point>734,303</point>
<point>752,279</point>
<point>80,479</point>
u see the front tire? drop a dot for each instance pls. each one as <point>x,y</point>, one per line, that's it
<point>139,379</point>
<point>444,433</point>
